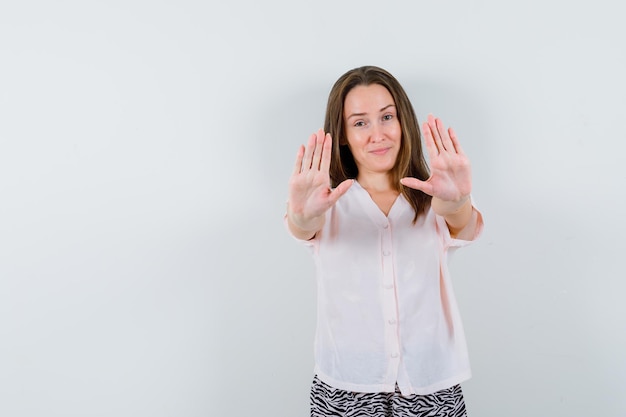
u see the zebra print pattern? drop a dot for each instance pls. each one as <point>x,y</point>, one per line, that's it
<point>327,401</point>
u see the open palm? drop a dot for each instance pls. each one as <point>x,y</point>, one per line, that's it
<point>451,177</point>
<point>310,195</point>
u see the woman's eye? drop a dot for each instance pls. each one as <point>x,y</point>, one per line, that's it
<point>388,117</point>
<point>359,123</point>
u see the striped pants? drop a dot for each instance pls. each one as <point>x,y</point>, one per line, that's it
<point>327,401</point>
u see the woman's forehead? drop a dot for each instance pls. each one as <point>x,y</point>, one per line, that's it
<point>367,99</point>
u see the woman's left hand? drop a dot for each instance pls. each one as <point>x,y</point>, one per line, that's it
<point>450,178</point>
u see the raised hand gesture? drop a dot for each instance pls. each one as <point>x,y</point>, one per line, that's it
<point>451,178</point>
<point>310,195</point>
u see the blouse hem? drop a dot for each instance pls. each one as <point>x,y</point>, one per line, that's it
<point>377,388</point>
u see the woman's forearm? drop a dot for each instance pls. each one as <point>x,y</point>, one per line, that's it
<point>457,213</point>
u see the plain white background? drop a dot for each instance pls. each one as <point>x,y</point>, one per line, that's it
<point>145,152</point>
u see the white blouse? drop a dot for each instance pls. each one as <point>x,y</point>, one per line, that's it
<point>386,310</point>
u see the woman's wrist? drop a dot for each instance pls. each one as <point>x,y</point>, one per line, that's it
<point>446,208</point>
<point>302,225</point>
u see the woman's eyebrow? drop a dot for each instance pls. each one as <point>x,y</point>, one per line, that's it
<point>363,114</point>
<point>356,115</point>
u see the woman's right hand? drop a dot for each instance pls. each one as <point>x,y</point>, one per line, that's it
<point>310,194</point>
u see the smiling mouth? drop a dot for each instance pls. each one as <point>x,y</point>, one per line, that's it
<point>380,151</point>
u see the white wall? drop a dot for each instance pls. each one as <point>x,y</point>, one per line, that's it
<point>145,149</point>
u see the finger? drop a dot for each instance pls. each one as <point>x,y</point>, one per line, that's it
<point>340,190</point>
<point>416,184</point>
<point>317,153</point>
<point>455,142</point>
<point>308,153</point>
<point>297,168</point>
<point>432,126</point>
<point>326,153</point>
<point>445,137</point>
<point>431,147</point>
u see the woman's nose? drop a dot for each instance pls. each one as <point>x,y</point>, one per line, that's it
<point>377,132</point>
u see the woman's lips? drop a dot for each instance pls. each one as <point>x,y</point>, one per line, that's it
<point>380,151</point>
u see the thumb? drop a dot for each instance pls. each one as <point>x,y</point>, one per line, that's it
<point>416,184</point>
<point>340,190</point>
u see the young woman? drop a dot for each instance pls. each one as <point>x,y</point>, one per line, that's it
<point>380,224</point>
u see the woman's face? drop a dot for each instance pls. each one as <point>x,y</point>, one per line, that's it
<point>372,128</point>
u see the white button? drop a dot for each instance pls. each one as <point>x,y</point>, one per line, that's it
<point>392,321</point>
<point>386,226</point>
<point>389,286</point>
<point>394,355</point>
<point>386,253</point>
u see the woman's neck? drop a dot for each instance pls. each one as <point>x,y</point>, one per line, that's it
<point>380,189</point>
<point>375,182</point>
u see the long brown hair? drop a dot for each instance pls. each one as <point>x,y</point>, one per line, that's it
<point>410,161</point>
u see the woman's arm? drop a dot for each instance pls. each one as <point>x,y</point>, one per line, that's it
<point>450,182</point>
<point>457,214</point>
<point>310,195</point>
<point>301,228</point>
